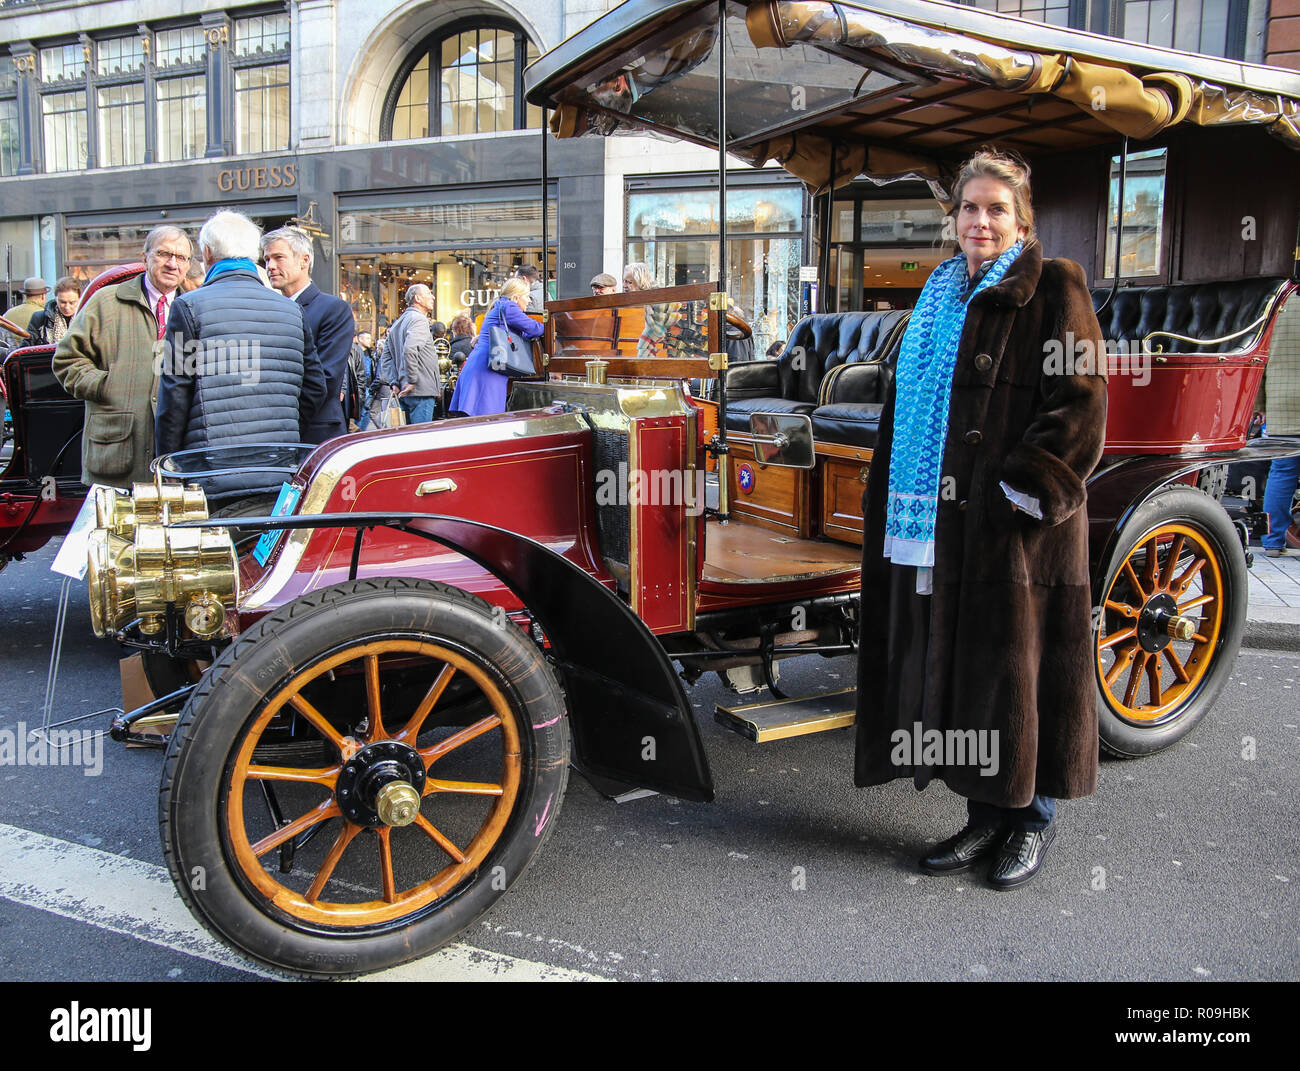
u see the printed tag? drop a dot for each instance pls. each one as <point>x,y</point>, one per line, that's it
<point>267,541</point>
<point>71,560</point>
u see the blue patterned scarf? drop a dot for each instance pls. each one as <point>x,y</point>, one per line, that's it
<point>924,388</point>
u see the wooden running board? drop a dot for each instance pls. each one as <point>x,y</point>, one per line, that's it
<point>778,719</point>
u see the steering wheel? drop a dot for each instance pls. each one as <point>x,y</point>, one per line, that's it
<point>737,329</point>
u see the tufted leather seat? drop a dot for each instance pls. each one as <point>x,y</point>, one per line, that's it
<point>818,346</point>
<point>1198,310</point>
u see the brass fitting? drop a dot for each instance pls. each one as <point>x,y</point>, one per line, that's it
<point>205,615</point>
<point>397,804</point>
<point>139,566</point>
<point>148,504</point>
<point>1180,627</point>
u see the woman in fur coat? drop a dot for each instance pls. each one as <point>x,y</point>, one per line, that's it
<point>976,606</point>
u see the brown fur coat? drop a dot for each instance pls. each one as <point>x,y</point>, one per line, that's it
<point>1010,614</point>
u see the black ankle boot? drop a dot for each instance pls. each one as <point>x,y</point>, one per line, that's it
<point>1021,856</point>
<point>965,849</point>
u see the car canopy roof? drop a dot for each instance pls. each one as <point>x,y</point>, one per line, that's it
<point>903,87</point>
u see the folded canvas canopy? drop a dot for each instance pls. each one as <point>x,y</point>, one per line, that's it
<point>895,88</point>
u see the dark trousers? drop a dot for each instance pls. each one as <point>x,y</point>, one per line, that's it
<point>1034,818</point>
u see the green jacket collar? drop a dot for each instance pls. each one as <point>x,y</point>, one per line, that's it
<point>132,292</point>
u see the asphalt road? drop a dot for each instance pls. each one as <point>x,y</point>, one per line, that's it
<point>1183,866</point>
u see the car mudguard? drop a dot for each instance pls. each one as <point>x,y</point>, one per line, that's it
<point>1117,491</point>
<point>631,721</point>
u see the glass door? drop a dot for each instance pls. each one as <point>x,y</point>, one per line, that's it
<point>885,249</point>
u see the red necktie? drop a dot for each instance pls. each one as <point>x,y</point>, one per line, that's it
<point>162,316</point>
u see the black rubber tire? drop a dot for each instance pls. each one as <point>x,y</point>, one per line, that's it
<point>1213,481</point>
<point>1185,505</point>
<point>256,506</point>
<point>217,717</point>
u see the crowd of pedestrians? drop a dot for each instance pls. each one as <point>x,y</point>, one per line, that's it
<point>230,342</point>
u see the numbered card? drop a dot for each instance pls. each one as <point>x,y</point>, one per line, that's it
<point>71,560</point>
<point>289,495</point>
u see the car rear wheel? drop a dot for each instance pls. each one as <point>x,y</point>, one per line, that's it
<point>1170,623</point>
<point>442,749</point>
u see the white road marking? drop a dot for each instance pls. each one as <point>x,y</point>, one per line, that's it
<point>136,899</point>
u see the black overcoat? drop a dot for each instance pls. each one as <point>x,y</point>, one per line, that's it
<point>1010,645</point>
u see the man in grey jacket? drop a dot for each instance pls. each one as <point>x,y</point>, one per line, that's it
<point>410,363</point>
<point>238,363</point>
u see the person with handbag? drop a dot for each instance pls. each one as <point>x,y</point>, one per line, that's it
<point>502,347</point>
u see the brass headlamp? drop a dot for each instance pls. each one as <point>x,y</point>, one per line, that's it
<point>140,565</point>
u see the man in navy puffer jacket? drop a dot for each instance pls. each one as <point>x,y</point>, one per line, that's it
<point>238,362</point>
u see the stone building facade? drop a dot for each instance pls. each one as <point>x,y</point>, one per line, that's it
<point>397,129</point>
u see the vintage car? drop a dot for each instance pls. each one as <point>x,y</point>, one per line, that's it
<point>40,467</point>
<point>381,685</point>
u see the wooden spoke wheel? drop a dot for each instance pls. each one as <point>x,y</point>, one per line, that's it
<point>1170,621</point>
<point>442,758</point>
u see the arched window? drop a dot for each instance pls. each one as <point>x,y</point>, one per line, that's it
<point>468,78</point>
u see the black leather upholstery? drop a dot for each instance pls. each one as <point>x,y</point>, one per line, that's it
<point>848,423</point>
<point>827,341</point>
<point>817,346</point>
<point>1198,310</point>
<point>754,379</point>
<point>738,411</point>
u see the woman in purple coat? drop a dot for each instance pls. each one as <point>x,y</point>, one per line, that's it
<point>479,390</point>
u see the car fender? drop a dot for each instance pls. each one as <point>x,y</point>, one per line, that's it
<point>631,721</point>
<point>1117,491</point>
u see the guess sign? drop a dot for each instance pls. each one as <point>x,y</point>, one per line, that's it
<point>262,177</point>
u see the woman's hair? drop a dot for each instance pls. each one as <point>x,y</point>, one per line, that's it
<point>638,276</point>
<point>514,289</point>
<point>65,284</point>
<point>462,325</point>
<point>1007,168</point>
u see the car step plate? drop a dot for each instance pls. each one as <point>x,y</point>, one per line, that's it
<point>782,718</point>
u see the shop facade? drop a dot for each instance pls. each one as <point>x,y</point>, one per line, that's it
<point>398,132</point>
<point>430,214</point>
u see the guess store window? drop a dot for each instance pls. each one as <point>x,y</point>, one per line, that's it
<point>464,251</point>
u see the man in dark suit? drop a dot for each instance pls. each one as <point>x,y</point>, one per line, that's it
<point>287,254</point>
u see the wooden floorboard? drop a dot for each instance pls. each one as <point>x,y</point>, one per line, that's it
<point>740,553</point>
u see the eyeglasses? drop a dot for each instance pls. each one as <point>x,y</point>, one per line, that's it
<point>164,256</point>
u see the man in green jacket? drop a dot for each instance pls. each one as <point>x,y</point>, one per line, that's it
<point>108,359</point>
<point>34,291</point>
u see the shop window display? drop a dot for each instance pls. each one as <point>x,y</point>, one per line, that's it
<point>675,231</point>
<point>463,250</point>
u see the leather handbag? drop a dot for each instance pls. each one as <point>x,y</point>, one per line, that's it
<point>508,355</point>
